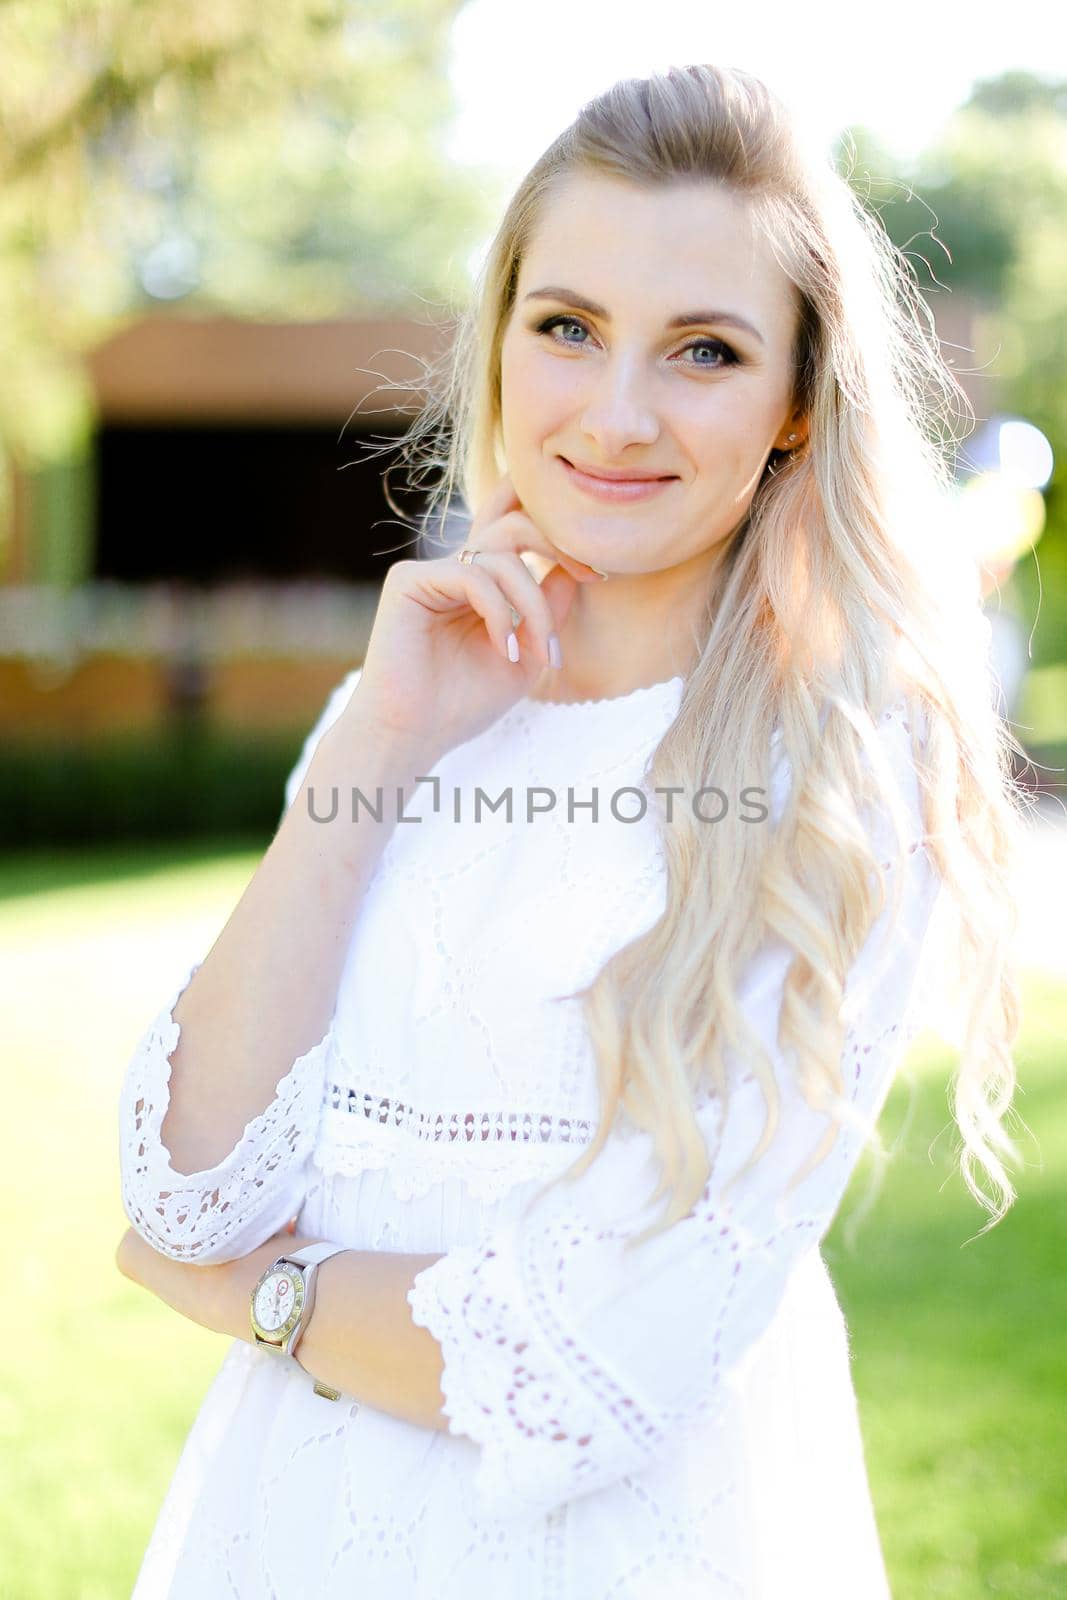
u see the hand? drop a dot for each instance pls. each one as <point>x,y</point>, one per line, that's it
<point>436,670</point>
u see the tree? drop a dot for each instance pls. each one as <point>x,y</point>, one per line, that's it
<point>266,158</point>
<point>985,210</point>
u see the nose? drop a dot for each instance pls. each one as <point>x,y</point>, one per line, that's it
<point>618,414</point>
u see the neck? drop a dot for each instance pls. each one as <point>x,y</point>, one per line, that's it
<point>628,633</point>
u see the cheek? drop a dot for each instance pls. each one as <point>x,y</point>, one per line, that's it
<point>719,439</point>
<point>538,396</point>
<point>514,397</point>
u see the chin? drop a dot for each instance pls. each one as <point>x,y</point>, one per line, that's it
<point>556,526</point>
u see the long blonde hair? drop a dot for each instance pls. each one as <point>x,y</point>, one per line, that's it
<point>845,530</point>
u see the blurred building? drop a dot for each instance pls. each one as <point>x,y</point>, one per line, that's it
<point>220,552</point>
<point>223,547</point>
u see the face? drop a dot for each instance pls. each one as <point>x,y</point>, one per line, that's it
<point>592,373</point>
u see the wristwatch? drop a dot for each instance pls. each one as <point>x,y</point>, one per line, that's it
<point>283,1300</point>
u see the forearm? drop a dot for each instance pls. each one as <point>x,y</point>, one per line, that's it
<point>265,993</point>
<point>361,1338</point>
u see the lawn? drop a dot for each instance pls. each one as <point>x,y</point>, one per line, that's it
<point>959,1354</point>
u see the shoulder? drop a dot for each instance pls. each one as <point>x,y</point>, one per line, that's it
<point>902,734</point>
<point>892,743</point>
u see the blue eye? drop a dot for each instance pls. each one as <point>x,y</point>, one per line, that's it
<point>728,355</point>
<point>567,322</point>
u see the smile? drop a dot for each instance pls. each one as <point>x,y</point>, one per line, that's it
<point>616,490</point>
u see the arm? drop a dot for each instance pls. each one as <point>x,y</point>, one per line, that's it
<point>361,1338</point>
<point>567,1364</point>
<point>571,1364</point>
<point>221,1102</point>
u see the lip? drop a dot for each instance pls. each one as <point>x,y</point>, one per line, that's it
<point>614,488</point>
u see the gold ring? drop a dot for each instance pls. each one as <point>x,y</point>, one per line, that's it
<point>468,556</point>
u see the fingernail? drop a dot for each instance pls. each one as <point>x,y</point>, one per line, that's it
<point>598,572</point>
<point>513,647</point>
<point>554,655</point>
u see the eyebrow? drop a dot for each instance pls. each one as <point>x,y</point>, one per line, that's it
<point>684,319</point>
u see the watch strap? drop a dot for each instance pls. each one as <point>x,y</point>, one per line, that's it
<point>309,1257</point>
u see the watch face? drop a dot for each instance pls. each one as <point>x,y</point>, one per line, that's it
<point>278,1300</point>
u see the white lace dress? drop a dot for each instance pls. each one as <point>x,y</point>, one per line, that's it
<point>672,1424</point>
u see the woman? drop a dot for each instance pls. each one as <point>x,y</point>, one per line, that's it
<point>704,635</point>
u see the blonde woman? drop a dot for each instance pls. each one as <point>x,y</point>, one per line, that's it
<point>564,1036</point>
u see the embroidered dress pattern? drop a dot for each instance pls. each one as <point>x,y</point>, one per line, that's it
<point>675,1420</point>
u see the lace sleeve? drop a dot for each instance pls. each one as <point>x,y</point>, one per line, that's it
<point>227,1210</point>
<point>571,1364</point>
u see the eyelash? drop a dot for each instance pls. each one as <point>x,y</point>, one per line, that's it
<point>732,358</point>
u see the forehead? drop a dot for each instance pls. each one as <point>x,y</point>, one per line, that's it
<point>655,251</point>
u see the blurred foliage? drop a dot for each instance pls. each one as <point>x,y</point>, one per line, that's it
<point>262,158</point>
<point>185,781</point>
<point>287,159</point>
<point>984,213</point>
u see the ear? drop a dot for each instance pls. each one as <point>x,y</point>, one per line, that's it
<point>797,425</point>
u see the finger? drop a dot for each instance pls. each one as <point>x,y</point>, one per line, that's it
<point>492,599</point>
<point>516,530</point>
<point>502,523</point>
<point>559,590</point>
<point>502,497</point>
<point>525,595</point>
<point>457,584</point>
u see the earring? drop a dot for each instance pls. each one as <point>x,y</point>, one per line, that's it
<point>772,469</point>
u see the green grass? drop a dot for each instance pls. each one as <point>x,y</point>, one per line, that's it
<point>958,1342</point>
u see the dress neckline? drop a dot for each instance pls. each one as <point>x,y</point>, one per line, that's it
<point>633,695</point>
